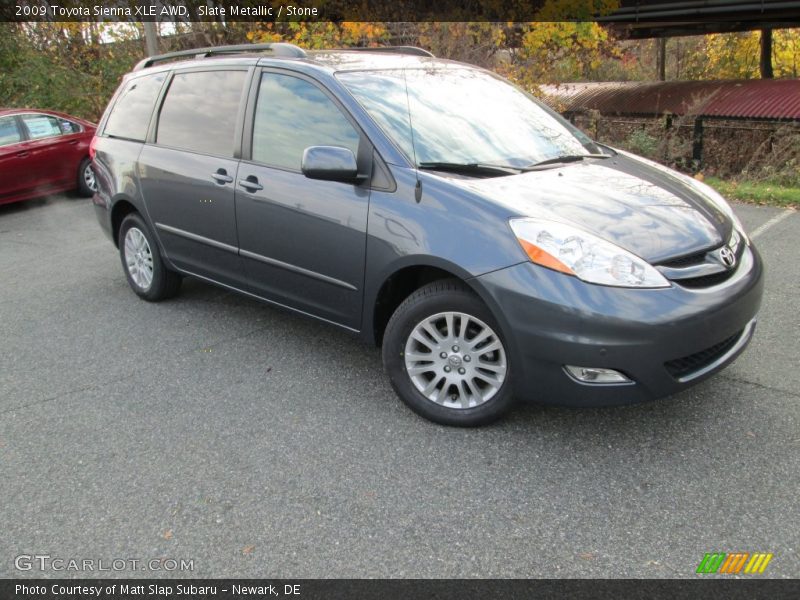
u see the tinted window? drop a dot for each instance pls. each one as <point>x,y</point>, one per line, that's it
<point>131,113</point>
<point>199,112</point>
<point>41,126</point>
<point>9,134</point>
<point>291,115</point>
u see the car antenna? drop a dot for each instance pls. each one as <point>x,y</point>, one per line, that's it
<point>418,187</point>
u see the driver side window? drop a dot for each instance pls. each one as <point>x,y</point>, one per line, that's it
<point>293,114</point>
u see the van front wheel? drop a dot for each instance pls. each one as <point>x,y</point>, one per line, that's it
<point>446,358</point>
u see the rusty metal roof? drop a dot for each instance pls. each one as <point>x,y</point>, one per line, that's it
<point>747,98</point>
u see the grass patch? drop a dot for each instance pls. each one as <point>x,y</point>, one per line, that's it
<point>757,192</point>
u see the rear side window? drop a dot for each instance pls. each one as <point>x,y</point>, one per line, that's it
<point>293,114</point>
<point>199,112</point>
<point>9,132</point>
<point>41,126</point>
<point>68,127</point>
<point>130,115</point>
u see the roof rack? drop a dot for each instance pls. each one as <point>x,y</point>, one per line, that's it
<point>412,50</point>
<point>277,49</point>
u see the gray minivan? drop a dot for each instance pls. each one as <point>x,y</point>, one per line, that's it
<point>493,250</point>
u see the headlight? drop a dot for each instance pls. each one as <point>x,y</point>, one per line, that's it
<point>576,252</point>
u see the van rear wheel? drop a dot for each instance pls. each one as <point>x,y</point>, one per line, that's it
<point>146,272</point>
<point>446,358</point>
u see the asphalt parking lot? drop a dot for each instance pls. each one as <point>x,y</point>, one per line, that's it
<point>261,444</point>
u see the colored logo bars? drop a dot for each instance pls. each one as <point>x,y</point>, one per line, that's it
<point>732,563</point>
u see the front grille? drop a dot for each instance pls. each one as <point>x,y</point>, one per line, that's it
<point>680,367</point>
<point>703,281</point>
<point>706,280</point>
<point>686,261</point>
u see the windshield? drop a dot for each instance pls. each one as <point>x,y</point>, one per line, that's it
<point>463,116</point>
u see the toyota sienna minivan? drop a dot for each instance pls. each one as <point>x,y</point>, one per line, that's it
<point>494,251</point>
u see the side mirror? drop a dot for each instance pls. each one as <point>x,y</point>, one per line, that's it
<point>330,163</point>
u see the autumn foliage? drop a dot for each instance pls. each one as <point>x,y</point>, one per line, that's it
<point>75,67</point>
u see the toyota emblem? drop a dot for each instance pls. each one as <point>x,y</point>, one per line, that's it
<point>727,257</point>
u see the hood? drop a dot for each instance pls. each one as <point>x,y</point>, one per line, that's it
<point>645,208</point>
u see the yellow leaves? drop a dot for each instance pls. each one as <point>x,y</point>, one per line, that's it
<point>264,35</point>
<point>321,34</point>
<point>786,52</point>
<point>357,32</point>
<point>561,51</point>
<point>736,55</point>
<point>730,56</point>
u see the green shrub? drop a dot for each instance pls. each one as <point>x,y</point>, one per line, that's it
<point>642,143</point>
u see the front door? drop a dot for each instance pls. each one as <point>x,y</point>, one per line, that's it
<point>302,241</point>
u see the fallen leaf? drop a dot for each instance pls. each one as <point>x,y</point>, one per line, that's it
<point>248,549</point>
<point>167,535</point>
<point>587,556</point>
<point>751,434</point>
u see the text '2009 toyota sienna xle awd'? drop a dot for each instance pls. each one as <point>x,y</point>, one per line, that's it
<point>492,249</point>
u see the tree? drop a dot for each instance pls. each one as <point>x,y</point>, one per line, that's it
<point>321,34</point>
<point>736,55</point>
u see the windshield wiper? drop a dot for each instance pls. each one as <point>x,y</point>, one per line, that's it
<point>470,168</point>
<point>567,158</point>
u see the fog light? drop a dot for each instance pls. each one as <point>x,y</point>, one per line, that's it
<point>595,375</point>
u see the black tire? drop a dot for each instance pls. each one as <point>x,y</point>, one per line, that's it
<point>443,296</point>
<point>164,283</point>
<point>84,189</point>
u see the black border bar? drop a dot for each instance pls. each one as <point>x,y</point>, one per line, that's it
<point>630,13</point>
<point>388,589</point>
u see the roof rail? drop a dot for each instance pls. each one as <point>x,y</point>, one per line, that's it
<point>278,49</point>
<point>413,50</point>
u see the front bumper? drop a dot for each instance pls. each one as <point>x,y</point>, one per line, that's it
<point>663,340</point>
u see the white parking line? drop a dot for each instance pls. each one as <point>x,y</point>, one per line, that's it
<point>772,222</point>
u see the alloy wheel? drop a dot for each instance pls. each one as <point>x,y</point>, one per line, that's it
<point>138,258</point>
<point>455,360</point>
<point>89,179</point>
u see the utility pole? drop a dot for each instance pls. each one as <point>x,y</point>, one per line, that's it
<point>150,36</point>
<point>661,58</point>
<point>766,54</point>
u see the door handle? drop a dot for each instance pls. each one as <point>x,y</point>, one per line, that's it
<point>221,176</point>
<point>251,184</point>
<point>23,154</point>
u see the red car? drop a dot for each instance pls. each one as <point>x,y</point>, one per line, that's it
<point>43,152</point>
